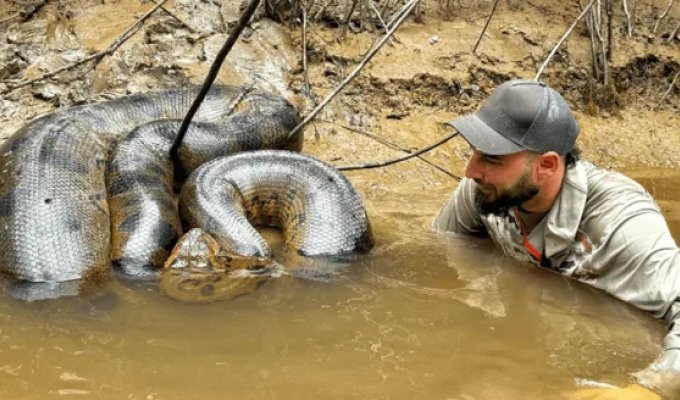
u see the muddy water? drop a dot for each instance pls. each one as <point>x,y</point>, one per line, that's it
<point>423,316</point>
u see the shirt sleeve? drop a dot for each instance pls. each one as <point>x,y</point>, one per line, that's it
<point>663,375</point>
<point>638,262</point>
<point>460,214</point>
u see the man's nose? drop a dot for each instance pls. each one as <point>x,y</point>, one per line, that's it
<point>474,169</point>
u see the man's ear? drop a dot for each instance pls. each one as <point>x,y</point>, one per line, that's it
<point>547,166</point>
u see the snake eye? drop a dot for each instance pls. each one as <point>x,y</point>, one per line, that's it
<point>257,269</point>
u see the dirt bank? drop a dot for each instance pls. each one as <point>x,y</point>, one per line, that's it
<point>425,77</point>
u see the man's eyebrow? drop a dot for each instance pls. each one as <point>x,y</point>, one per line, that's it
<point>489,156</point>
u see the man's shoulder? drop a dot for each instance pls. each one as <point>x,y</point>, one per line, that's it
<point>613,198</point>
<point>605,183</point>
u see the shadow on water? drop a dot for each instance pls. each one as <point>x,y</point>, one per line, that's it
<point>422,316</point>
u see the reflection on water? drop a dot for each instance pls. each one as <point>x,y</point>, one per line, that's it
<point>422,316</point>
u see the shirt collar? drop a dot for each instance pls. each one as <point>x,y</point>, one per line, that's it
<point>564,218</point>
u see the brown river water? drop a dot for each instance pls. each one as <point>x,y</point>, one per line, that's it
<point>422,316</point>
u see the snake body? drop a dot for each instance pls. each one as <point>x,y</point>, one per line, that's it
<point>315,206</point>
<point>55,221</point>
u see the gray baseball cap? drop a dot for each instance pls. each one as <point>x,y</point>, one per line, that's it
<point>520,115</point>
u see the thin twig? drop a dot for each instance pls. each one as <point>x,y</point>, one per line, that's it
<point>305,72</point>
<point>176,18</point>
<point>385,7</point>
<point>11,17</point>
<point>209,79</point>
<point>361,65</point>
<point>597,24</point>
<point>347,18</point>
<point>628,21</point>
<point>593,46</point>
<point>564,37</point>
<point>399,14</point>
<point>673,34</point>
<point>382,22</point>
<point>96,56</point>
<point>610,33</point>
<point>391,145</point>
<point>675,78</point>
<point>493,10</point>
<point>321,10</point>
<point>399,159</point>
<point>663,15</point>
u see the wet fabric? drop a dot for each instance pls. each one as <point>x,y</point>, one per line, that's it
<point>604,230</point>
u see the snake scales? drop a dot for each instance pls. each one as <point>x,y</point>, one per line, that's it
<point>70,205</point>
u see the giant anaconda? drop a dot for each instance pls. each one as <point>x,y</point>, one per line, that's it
<point>314,205</point>
<point>68,207</point>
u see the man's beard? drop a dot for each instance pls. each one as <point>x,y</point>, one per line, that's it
<point>498,201</point>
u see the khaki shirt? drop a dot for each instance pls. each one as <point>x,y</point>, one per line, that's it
<point>605,230</point>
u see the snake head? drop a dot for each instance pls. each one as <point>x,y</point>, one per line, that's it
<point>200,271</point>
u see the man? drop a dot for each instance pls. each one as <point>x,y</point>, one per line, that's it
<point>526,188</point>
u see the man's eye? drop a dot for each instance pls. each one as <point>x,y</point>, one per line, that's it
<point>491,159</point>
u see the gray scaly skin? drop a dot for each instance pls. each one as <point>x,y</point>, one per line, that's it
<point>54,215</point>
<point>145,221</point>
<point>315,206</point>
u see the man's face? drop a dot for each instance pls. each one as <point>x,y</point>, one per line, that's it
<point>503,181</point>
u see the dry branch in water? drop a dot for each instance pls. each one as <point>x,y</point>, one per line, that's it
<point>96,56</point>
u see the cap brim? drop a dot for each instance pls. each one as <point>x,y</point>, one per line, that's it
<point>482,137</point>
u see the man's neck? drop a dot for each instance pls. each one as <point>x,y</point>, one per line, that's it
<point>544,200</point>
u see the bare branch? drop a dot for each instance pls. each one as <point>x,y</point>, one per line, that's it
<point>308,88</point>
<point>675,78</point>
<point>382,22</point>
<point>347,18</point>
<point>399,159</point>
<point>590,24</point>
<point>673,34</point>
<point>209,79</point>
<point>407,9</point>
<point>662,16</point>
<point>495,4</point>
<point>9,18</point>
<point>564,37</point>
<point>597,24</point>
<point>628,21</point>
<point>176,18</point>
<point>393,146</point>
<point>610,30</point>
<point>96,56</point>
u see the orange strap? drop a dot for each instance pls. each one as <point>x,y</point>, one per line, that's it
<point>525,234</point>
